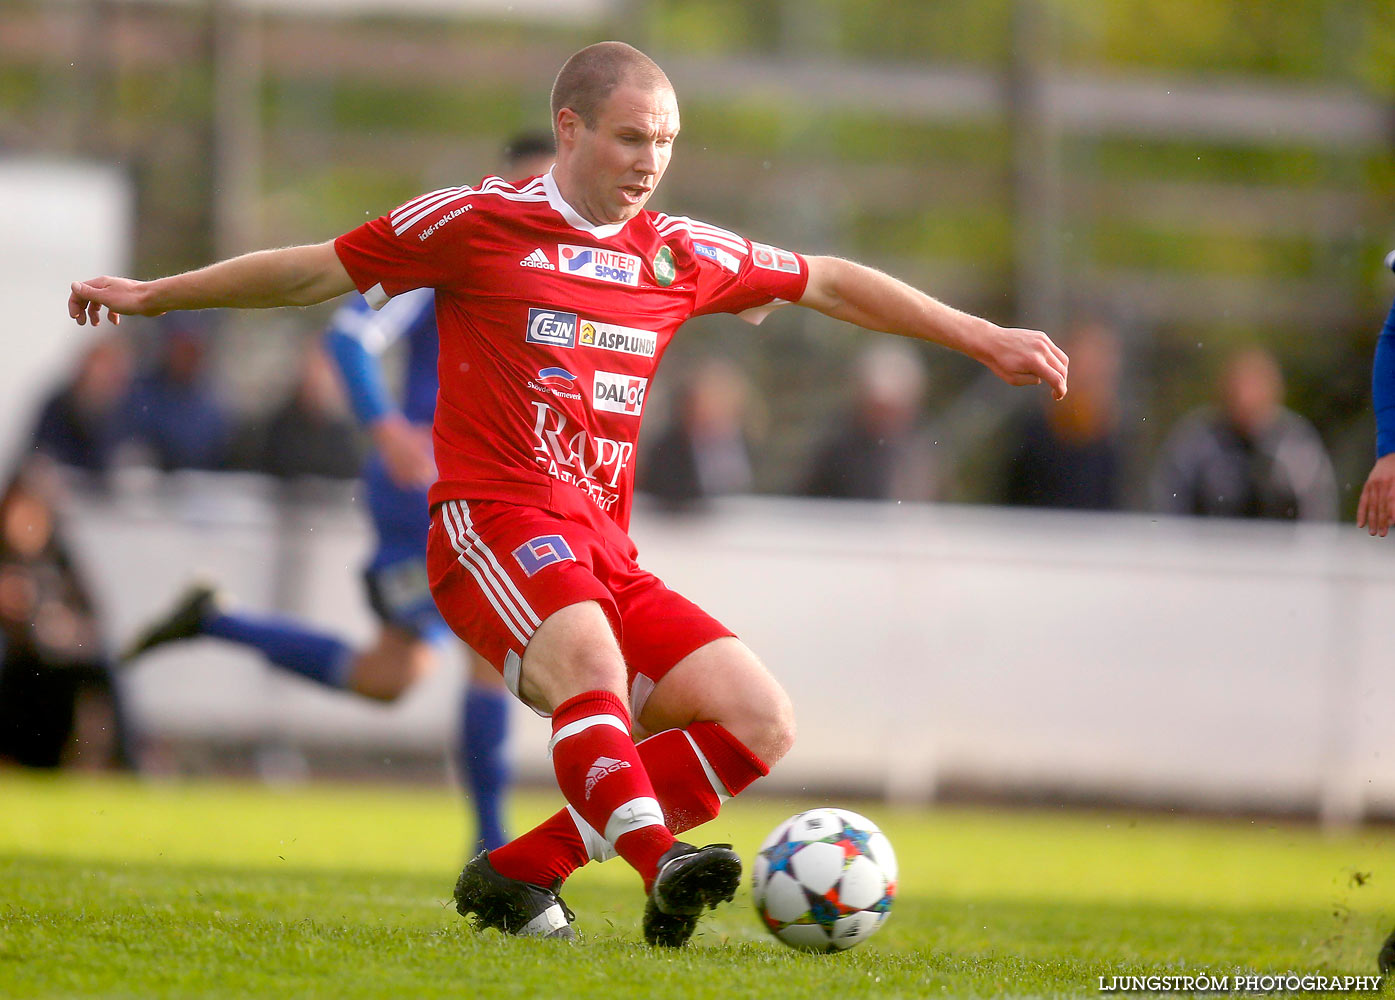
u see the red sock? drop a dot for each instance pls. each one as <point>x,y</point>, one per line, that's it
<point>678,763</point>
<point>603,778</point>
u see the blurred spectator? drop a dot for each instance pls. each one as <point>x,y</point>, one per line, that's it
<point>84,422</point>
<point>873,451</point>
<point>1248,456</point>
<point>58,701</point>
<point>703,451</point>
<point>311,433</point>
<point>1068,453</point>
<point>175,412</point>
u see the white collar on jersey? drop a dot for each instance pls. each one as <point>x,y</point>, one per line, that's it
<point>573,217</point>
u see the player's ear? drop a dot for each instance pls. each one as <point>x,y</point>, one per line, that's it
<point>569,124</point>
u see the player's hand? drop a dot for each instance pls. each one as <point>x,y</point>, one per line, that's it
<point>1026,357</point>
<point>1376,511</point>
<point>406,451</point>
<point>120,296</point>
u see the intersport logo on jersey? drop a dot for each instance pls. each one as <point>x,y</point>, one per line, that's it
<point>617,393</point>
<point>598,264</point>
<point>572,454</point>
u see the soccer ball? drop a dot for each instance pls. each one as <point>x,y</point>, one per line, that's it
<point>824,880</point>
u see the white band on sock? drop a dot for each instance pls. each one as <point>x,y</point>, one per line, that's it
<point>635,814</point>
<point>597,847</point>
<point>581,725</point>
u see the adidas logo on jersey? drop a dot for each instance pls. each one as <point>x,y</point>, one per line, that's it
<point>598,770</point>
<point>537,259</point>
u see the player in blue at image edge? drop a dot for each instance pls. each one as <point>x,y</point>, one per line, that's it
<point>1376,510</point>
<point>395,478</point>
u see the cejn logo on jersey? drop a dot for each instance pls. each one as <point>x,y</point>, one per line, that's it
<point>621,339</point>
<point>572,454</point>
<point>552,328</point>
<point>619,393</point>
<point>598,264</point>
<point>774,259</point>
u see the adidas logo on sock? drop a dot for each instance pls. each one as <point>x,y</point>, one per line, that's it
<point>598,770</point>
<point>537,259</point>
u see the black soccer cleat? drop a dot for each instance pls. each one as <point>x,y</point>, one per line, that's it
<point>511,905</point>
<point>690,879</point>
<point>1386,958</point>
<point>185,620</point>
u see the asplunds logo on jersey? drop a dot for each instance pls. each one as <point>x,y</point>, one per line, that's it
<point>550,327</point>
<point>600,265</point>
<point>621,339</point>
<point>619,393</point>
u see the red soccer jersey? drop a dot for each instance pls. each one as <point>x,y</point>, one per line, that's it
<point>551,328</point>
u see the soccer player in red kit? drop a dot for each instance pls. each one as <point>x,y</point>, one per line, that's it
<point>555,301</point>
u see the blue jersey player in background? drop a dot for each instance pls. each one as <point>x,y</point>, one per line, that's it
<point>1376,511</point>
<point>395,479</point>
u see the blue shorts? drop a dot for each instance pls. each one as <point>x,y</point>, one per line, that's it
<point>395,577</point>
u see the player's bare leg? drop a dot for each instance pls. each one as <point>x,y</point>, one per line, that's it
<point>397,659</point>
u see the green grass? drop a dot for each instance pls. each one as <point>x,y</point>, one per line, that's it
<point>117,888</point>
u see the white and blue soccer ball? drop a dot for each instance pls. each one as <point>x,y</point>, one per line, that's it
<point>824,880</point>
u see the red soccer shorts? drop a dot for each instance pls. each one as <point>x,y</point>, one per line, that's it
<point>499,569</point>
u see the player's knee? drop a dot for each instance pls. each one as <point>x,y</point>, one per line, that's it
<point>572,652</point>
<point>775,730</point>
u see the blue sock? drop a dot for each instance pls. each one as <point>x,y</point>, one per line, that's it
<point>483,766</point>
<point>289,645</point>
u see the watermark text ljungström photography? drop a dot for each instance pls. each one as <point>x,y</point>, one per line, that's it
<point>1245,982</point>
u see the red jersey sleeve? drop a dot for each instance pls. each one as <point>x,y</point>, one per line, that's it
<point>420,244</point>
<point>735,275</point>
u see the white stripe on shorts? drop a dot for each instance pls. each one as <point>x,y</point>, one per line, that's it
<point>463,510</point>
<point>483,573</point>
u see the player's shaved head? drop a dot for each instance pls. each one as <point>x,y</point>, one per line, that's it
<point>592,74</point>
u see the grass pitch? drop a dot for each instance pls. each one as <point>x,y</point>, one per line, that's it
<point>117,888</point>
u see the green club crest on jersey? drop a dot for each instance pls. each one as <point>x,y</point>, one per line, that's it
<point>664,269</point>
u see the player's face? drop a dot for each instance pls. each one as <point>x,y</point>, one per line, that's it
<point>614,167</point>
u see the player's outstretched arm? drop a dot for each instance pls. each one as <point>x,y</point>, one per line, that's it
<point>406,450</point>
<point>1376,510</point>
<point>876,301</point>
<point>291,276</point>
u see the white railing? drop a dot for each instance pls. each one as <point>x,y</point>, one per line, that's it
<point>1118,657</point>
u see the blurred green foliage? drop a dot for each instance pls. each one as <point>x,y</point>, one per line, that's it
<point>910,194</point>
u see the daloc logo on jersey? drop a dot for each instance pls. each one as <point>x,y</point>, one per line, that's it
<point>555,329</point>
<point>538,553</point>
<point>602,265</point>
<point>619,393</point>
